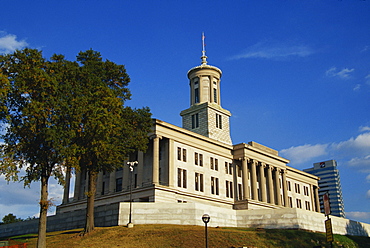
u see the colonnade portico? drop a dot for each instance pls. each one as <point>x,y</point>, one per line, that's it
<point>263,187</point>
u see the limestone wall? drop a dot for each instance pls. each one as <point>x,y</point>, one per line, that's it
<point>191,213</point>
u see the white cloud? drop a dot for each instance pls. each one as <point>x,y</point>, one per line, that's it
<point>358,145</point>
<point>304,153</point>
<point>358,215</point>
<point>342,74</point>
<point>364,128</point>
<point>367,79</point>
<point>274,50</point>
<point>357,87</point>
<point>9,43</point>
<point>361,163</point>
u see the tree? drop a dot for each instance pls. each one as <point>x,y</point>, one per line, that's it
<point>108,130</point>
<point>33,110</point>
<point>10,218</point>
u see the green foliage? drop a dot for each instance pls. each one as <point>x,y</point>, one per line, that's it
<point>62,113</point>
<point>10,218</point>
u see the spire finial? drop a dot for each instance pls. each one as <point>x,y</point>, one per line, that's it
<point>204,57</point>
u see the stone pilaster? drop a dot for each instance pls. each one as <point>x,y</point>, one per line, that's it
<point>285,188</point>
<point>155,167</point>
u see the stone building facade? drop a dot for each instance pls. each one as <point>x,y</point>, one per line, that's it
<point>199,164</point>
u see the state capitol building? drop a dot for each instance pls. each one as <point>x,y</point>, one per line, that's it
<point>197,166</point>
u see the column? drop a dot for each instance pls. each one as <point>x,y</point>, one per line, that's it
<point>263,182</point>
<point>76,196</point>
<point>270,185</point>
<point>67,185</point>
<point>155,167</point>
<point>171,163</point>
<point>277,187</point>
<point>99,184</point>
<point>285,188</point>
<point>317,200</point>
<point>112,182</point>
<point>245,179</point>
<point>254,180</point>
<point>126,175</point>
<point>140,169</point>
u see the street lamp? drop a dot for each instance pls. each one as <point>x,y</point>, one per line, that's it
<point>131,164</point>
<point>205,219</point>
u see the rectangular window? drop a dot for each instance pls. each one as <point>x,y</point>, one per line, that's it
<point>198,182</point>
<point>215,95</point>
<point>184,155</point>
<point>229,189</point>
<point>290,201</point>
<point>178,153</point>
<point>196,158</point>
<point>299,203</point>
<point>103,188</point>
<point>196,95</point>
<point>239,171</point>
<point>289,188</point>
<point>240,192</point>
<point>307,203</point>
<point>179,172</point>
<point>212,185</point>
<point>297,188</point>
<point>118,184</point>
<point>184,178</point>
<point>211,163</point>
<point>181,178</point>
<point>200,159</point>
<point>216,164</point>
<point>201,182</point>
<point>195,121</point>
<point>217,188</point>
<point>230,169</point>
<point>226,168</point>
<point>218,121</point>
<point>306,191</point>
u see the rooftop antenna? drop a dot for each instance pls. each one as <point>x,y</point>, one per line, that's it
<point>204,57</point>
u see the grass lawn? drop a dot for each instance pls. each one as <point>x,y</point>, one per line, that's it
<point>164,236</point>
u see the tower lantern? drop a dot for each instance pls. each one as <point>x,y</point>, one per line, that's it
<point>205,115</point>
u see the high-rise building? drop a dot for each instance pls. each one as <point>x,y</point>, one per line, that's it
<point>329,183</point>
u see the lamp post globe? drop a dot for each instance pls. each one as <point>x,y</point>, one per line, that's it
<point>205,219</point>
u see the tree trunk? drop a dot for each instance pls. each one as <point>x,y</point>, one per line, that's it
<point>89,224</point>
<point>44,205</point>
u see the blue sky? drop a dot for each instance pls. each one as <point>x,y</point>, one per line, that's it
<point>296,74</point>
